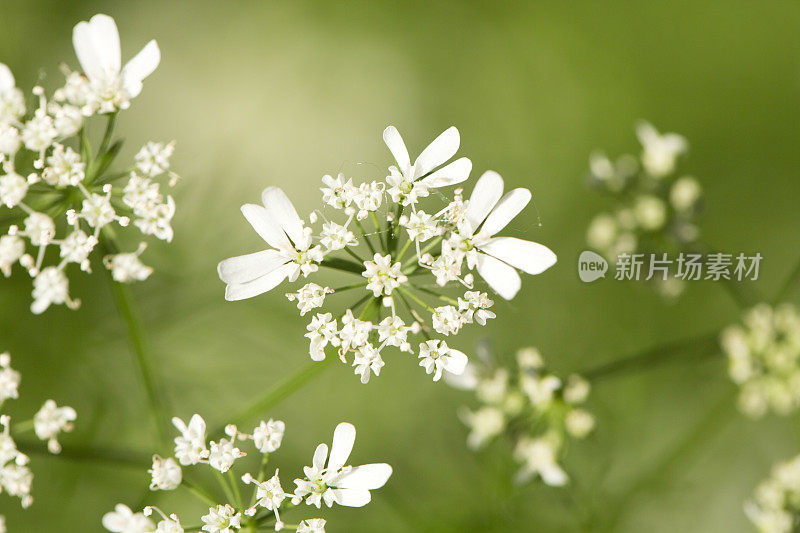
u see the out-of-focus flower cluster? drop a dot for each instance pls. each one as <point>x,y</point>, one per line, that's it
<point>60,195</point>
<point>16,478</point>
<point>775,505</point>
<point>445,243</point>
<point>536,410</point>
<point>764,359</point>
<point>253,501</point>
<point>657,207</point>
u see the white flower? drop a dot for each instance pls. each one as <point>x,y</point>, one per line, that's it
<point>473,307</point>
<point>39,132</point>
<point>222,519</point>
<point>13,189</point>
<point>446,320</point>
<point>576,390</point>
<point>354,332</point>
<point>660,152</point>
<point>126,268</point>
<point>383,275</point>
<point>123,520</point>
<point>309,297</point>
<point>497,258</point>
<point>76,247</point>
<point>407,182</point>
<point>50,287</point>
<point>165,474</point>
<point>539,458</point>
<point>321,331</point>
<point>540,389</point>
<point>12,101</point>
<point>650,211</point>
<point>267,436</point>
<point>17,479</point>
<point>98,49</point>
<point>157,220</point>
<point>579,423</point>
<point>279,225</point>
<point>97,210</point>
<point>367,359</point>
<point>64,167</point>
<point>39,228</point>
<point>392,331</point>
<point>335,483</point>
<point>222,454</point>
<point>436,357</point>
<point>9,380</point>
<point>337,193</point>
<point>12,248</point>
<point>9,139</point>
<point>269,493</point>
<point>153,158</point>
<point>141,194</point>
<point>50,421</point>
<point>67,119</point>
<point>485,424</point>
<point>190,447</point>
<point>337,237</point>
<point>312,525</point>
<point>420,226</point>
<point>685,193</point>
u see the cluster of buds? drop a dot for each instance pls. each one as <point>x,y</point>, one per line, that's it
<point>445,244</point>
<point>62,194</point>
<point>764,359</point>
<point>533,408</point>
<point>775,505</point>
<point>328,480</point>
<point>16,478</point>
<point>656,207</point>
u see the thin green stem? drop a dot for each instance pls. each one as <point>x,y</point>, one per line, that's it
<point>366,237</point>
<point>236,492</point>
<point>225,488</point>
<point>417,299</point>
<point>345,265</point>
<point>24,426</point>
<point>414,262</point>
<point>350,287</point>
<point>378,231</point>
<point>141,351</point>
<point>442,297</point>
<point>262,472</point>
<point>353,254</point>
<point>112,120</point>
<point>280,392</point>
<point>403,250</point>
<point>694,348</point>
<point>199,492</point>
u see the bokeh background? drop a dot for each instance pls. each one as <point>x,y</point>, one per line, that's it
<point>279,93</point>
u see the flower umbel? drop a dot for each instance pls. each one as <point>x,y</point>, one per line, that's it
<point>397,300</point>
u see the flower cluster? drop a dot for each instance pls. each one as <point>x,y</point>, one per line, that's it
<point>656,210</point>
<point>448,243</point>
<point>775,505</point>
<point>16,478</point>
<point>534,409</point>
<point>61,193</point>
<point>764,359</point>
<point>328,480</point>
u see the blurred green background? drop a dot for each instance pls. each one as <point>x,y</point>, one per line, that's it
<point>279,93</point>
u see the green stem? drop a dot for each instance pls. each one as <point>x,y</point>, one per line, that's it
<point>198,491</point>
<point>403,250</point>
<point>112,120</point>
<point>138,341</point>
<point>704,345</point>
<point>236,492</point>
<point>442,297</point>
<point>354,255</point>
<point>350,287</point>
<point>345,265</point>
<point>225,488</point>
<point>280,392</point>
<point>262,472</point>
<point>378,231</point>
<point>417,299</point>
<point>366,237</point>
<point>24,426</point>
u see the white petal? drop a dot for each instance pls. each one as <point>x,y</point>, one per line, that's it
<point>455,362</point>
<point>352,497</point>
<point>244,268</point>
<point>398,148</point>
<point>368,477</point>
<point>554,476</point>
<point>438,152</point>
<point>137,69</point>
<point>97,46</point>
<point>500,277</point>
<point>320,454</point>
<point>197,425</point>
<point>530,257</point>
<point>267,282</point>
<point>6,78</point>
<point>266,226</point>
<point>484,197</point>
<point>344,436</point>
<point>455,172</point>
<point>282,211</point>
<point>504,212</point>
